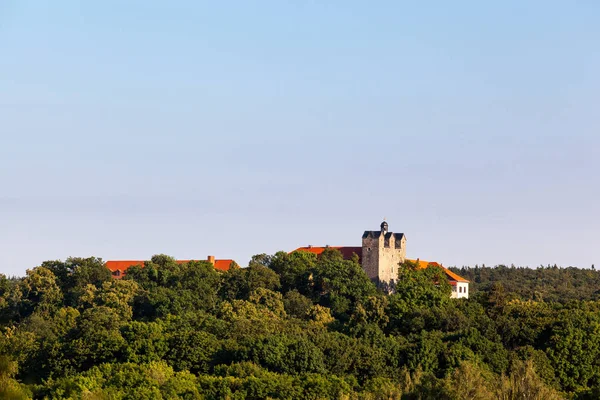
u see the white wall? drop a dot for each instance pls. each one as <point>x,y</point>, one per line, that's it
<point>460,291</point>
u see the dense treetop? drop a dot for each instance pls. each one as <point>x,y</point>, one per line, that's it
<point>550,283</point>
<point>296,326</point>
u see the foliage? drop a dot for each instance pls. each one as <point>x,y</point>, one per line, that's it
<point>549,283</point>
<point>296,326</point>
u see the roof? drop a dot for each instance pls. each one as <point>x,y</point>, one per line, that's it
<point>454,276</point>
<point>347,252</point>
<point>123,265</point>
<point>451,275</point>
<point>376,234</point>
<point>223,265</point>
<point>373,234</point>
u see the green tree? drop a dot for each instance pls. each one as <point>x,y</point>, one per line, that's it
<point>470,382</point>
<point>524,383</point>
<point>238,283</point>
<point>11,389</point>
<point>154,380</point>
<point>74,274</point>
<point>172,288</point>
<point>40,292</point>
<point>339,284</point>
<point>296,305</point>
<point>419,287</point>
<point>145,342</point>
<point>574,349</point>
<point>98,339</point>
<point>294,269</point>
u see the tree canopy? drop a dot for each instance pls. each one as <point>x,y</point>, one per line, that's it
<point>297,326</point>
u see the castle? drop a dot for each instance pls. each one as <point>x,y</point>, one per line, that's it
<point>381,254</point>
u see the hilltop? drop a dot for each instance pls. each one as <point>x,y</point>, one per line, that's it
<point>295,326</point>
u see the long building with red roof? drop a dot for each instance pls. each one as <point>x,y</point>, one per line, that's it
<point>119,268</point>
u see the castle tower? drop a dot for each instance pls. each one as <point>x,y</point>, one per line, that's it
<point>382,251</point>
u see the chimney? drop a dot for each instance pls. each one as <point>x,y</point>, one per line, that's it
<point>211,259</point>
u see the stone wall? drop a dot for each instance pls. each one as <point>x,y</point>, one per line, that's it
<point>370,256</point>
<point>381,256</point>
<point>389,258</point>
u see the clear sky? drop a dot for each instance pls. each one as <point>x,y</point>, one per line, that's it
<point>230,128</point>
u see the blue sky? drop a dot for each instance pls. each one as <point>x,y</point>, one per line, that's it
<point>234,128</point>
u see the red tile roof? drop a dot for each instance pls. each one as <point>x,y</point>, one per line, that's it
<point>223,265</point>
<point>122,265</point>
<point>451,275</point>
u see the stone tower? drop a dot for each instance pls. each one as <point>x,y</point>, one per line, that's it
<point>382,251</point>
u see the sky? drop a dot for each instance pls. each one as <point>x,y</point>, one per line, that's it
<point>233,128</point>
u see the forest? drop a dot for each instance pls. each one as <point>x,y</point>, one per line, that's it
<point>294,326</point>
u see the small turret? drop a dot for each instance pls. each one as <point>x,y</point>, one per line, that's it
<point>384,226</point>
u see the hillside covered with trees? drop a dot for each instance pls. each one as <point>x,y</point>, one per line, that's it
<point>551,283</point>
<point>296,326</point>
